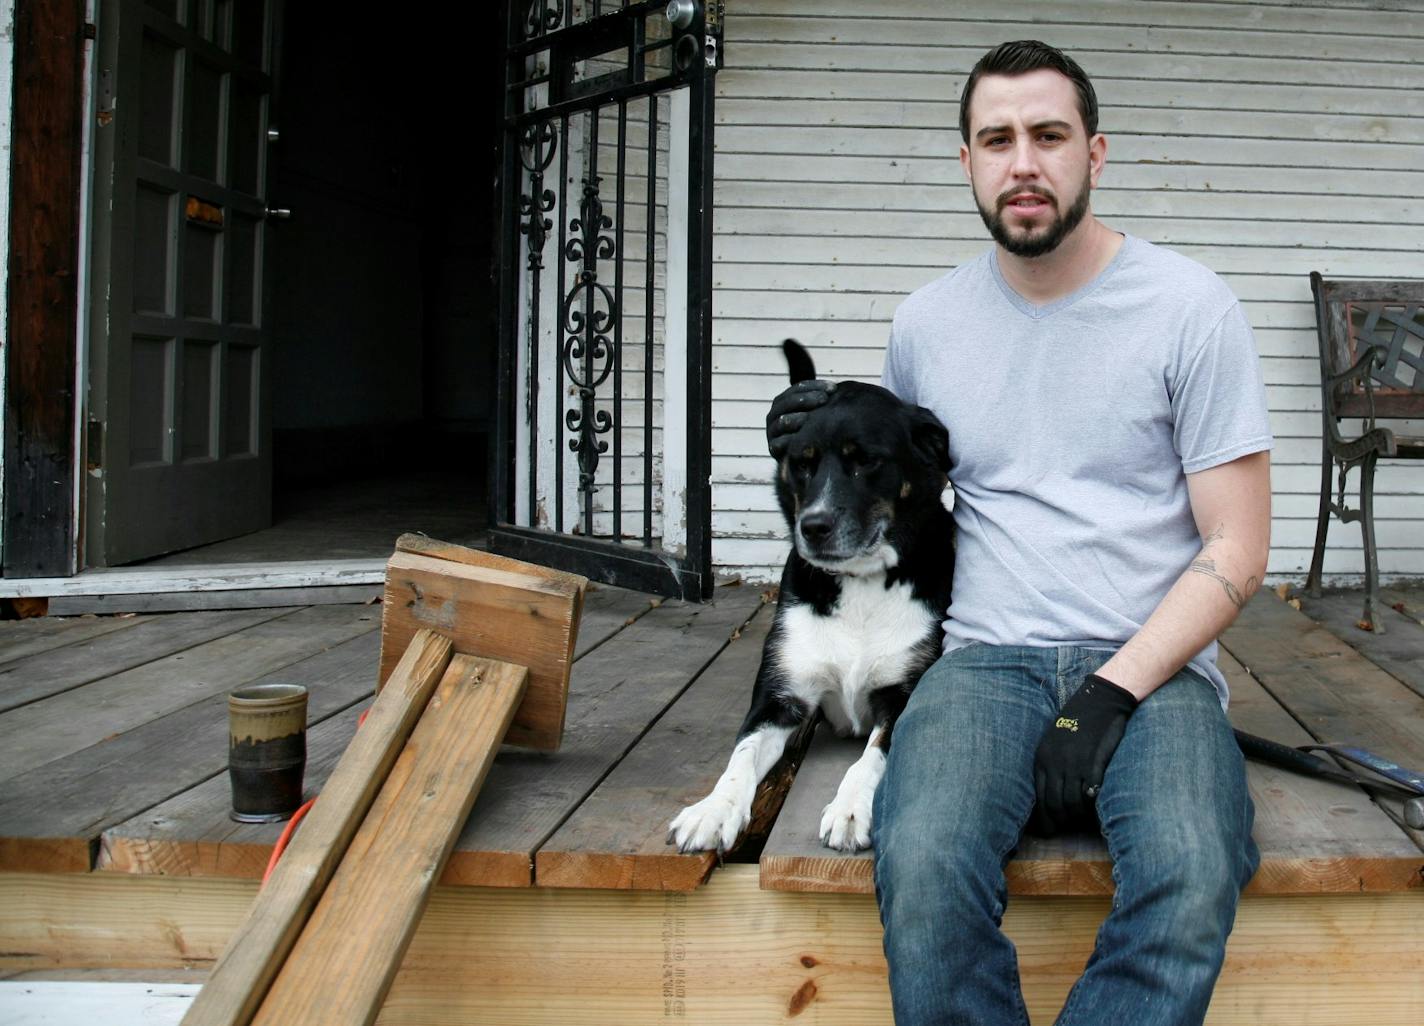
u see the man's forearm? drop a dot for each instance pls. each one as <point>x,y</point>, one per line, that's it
<point>1203,603</point>
<point>1231,504</point>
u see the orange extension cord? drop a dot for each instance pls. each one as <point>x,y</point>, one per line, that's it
<point>291,827</point>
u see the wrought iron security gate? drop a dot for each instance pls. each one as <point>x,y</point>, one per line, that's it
<point>603,443</point>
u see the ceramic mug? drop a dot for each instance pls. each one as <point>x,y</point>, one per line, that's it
<point>266,751</point>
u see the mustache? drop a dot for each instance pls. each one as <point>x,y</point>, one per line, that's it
<point>1036,190</point>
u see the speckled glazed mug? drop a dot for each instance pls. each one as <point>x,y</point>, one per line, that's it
<point>266,751</point>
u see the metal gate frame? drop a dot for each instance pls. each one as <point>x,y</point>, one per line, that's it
<point>546,29</point>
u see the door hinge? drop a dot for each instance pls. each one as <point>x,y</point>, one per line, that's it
<point>94,446</point>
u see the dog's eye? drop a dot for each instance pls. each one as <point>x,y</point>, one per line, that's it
<point>866,464</point>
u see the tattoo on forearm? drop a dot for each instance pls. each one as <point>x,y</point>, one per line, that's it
<point>1238,598</point>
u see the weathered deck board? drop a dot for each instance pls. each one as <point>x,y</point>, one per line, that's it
<point>52,672</point>
<point>606,611</point>
<point>1315,836</point>
<point>1406,601</point>
<point>54,815</point>
<point>191,834</point>
<point>615,692</point>
<point>1400,650</point>
<point>1336,694</point>
<point>526,795</point>
<point>618,837</point>
<point>21,638</point>
<point>50,729</point>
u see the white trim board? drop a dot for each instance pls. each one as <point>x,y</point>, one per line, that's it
<point>209,577</point>
<point>64,1003</point>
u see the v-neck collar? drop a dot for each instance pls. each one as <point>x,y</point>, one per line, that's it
<point>1037,313</point>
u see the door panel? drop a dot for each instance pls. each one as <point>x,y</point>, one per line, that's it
<point>180,345</point>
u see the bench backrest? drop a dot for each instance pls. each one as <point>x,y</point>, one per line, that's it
<point>1352,315</point>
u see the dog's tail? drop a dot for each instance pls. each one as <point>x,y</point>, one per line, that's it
<point>799,361</point>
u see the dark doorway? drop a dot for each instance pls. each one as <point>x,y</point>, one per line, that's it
<point>384,322</point>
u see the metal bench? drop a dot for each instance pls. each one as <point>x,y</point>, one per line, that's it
<point>1372,367</point>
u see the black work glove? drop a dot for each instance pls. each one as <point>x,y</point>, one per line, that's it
<point>790,409</point>
<point>1074,752</point>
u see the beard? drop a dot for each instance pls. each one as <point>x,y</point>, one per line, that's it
<point>1028,243</point>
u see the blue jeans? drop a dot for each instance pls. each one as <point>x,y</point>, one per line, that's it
<point>957,792</point>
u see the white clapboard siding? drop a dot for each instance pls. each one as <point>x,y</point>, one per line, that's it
<point>1264,140</point>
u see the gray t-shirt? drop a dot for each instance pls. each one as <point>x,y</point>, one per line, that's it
<point>1072,428</point>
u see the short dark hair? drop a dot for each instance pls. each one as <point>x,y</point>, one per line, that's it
<point>1019,58</point>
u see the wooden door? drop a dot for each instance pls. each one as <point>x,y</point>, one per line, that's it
<point>179,434</point>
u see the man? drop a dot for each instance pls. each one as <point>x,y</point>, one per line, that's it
<point>1109,444</point>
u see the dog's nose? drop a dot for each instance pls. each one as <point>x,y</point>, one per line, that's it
<point>816,527</point>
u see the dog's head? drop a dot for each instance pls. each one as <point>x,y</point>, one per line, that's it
<point>858,473</point>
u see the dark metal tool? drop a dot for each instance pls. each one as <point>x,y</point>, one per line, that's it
<point>1396,782</point>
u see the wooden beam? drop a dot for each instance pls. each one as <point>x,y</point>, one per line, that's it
<point>343,963</point>
<point>257,950</point>
<point>495,608</point>
<point>727,953</point>
<point>42,324</point>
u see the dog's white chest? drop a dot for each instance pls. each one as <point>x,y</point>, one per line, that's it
<point>868,641</point>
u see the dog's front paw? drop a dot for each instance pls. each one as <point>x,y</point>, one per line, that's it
<point>711,825</point>
<point>845,822</point>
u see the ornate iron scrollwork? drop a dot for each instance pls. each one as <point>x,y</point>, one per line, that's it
<point>589,312</point>
<point>536,152</point>
<point>542,16</point>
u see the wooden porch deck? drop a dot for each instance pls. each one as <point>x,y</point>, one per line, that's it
<point>563,903</point>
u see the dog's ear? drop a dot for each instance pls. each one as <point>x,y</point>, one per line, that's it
<point>799,361</point>
<point>930,439</point>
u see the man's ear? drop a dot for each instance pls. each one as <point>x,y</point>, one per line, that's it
<point>930,439</point>
<point>964,163</point>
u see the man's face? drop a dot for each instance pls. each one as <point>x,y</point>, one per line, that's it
<point>1029,159</point>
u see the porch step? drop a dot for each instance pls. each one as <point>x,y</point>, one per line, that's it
<point>1315,836</point>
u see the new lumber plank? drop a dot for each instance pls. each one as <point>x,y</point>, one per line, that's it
<point>499,608</point>
<point>1329,688</point>
<point>615,692</point>
<point>50,673</point>
<point>21,638</point>
<point>1400,649</point>
<point>256,951</point>
<point>618,837</point>
<point>52,817</point>
<point>1315,836</point>
<point>726,953</point>
<point>343,963</point>
<point>47,730</point>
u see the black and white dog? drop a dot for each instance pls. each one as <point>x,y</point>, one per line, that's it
<point>862,596</point>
